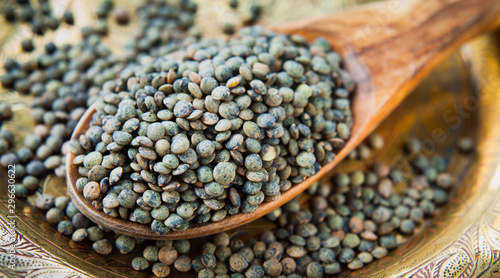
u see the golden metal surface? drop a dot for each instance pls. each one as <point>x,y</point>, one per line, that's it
<point>459,98</point>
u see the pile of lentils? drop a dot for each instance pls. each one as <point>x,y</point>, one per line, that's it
<point>64,81</point>
<point>229,125</point>
<point>342,227</point>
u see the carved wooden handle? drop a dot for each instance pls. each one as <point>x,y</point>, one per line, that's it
<point>396,44</point>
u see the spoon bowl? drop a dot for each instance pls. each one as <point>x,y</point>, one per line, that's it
<point>387,47</point>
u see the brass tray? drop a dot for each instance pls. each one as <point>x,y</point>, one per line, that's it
<point>460,98</point>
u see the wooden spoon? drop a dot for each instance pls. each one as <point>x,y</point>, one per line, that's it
<point>388,47</point>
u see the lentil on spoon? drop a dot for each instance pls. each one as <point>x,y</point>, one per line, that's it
<point>226,127</point>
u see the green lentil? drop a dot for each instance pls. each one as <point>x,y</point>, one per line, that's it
<point>272,267</point>
<point>65,227</point>
<point>125,244</point>
<point>150,253</point>
<point>160,270</point>
<point>183,263</point>
<point>102,246</point>
<point>79,235</point>
<point>238,262</point>
<point>54,215</point>
<point>465,145</point>
<point>315,270</point>
<point>139,263</point>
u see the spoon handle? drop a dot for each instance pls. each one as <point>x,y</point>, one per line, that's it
<point>397,42</point>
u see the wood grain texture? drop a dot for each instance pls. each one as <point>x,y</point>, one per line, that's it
<point>388,47</point>
<point>398,42</point>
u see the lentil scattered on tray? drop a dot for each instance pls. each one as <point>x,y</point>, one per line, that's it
<point>243,128</point>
